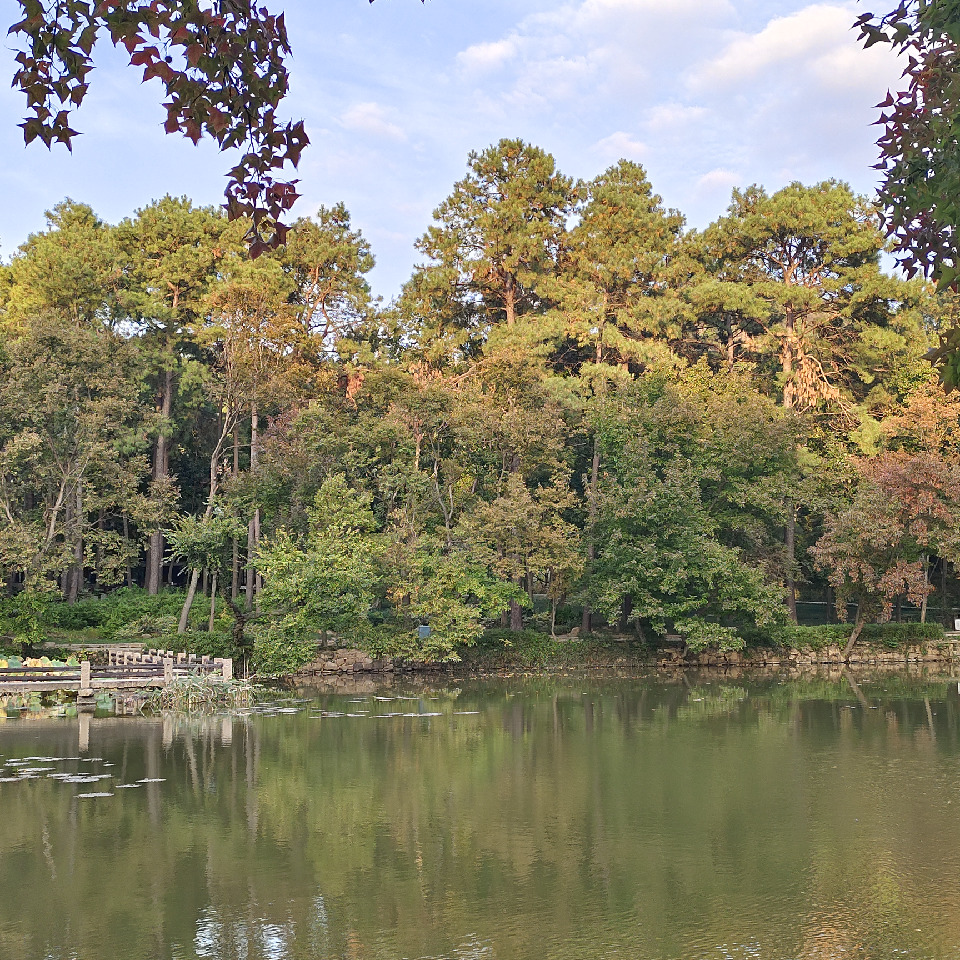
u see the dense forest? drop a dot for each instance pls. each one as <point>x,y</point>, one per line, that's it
<point>577,412</point>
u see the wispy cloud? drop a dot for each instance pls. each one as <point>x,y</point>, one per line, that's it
<point>620,146</point>
<point>371,119</point>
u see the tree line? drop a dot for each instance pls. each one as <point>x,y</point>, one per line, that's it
<point>576,410</point>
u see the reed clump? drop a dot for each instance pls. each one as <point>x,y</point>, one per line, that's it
<point>203,693</point>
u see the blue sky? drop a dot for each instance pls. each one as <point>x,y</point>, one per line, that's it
<point>707,94</point>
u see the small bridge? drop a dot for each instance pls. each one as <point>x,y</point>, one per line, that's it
<point>123,671</point>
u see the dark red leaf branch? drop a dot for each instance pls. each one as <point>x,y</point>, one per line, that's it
<point>222,64</point>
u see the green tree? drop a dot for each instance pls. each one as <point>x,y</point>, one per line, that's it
<point>327,261</point>
<point>71,268</point>
<point>690,492</point>
<point>70,454</point>
<point>496,237</point>
<point>326,583</point>
<point>170,251</point>
<point>617,293</point>
<point>801,267</point>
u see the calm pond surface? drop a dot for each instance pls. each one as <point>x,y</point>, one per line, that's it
<point>519,819</point>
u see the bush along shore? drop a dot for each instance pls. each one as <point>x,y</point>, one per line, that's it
<point>131,617</point>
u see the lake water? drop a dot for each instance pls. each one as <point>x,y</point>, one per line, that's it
<point>518,819</point>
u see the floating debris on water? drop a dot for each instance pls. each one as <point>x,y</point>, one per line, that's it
<point>88,796</point>
<point>152,780</point>
<point>127,786</point>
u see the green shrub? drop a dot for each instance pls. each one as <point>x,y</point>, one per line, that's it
<point>896,635</point>
<point>113,614</point>
<point>86,613</point>
<point>891,636</point>
<point>531,650</point>
<point>147,627</point>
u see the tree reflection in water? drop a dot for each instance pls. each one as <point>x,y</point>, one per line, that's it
<point>567,818</point>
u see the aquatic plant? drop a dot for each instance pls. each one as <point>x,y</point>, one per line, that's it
<point>199,693</point>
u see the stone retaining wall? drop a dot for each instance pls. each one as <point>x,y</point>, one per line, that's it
<point>931,652</point>
<point>345,662</point>
<point>333,662</point>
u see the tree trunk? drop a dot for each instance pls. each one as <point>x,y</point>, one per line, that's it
<point>586,621</point>
<point>161,470</point>
<point>126,548</point>
<point>229,423</point>
<point>213,602</point>
<point>235,559</point>
<point>626,608</point>
<point>789,395</point>
<point>857,630</point>
<point>188,603</point>
<point>510,299</point>
<point>945,617</point>
<point>516,616</point>
<point>98,550</point>
<point>926,577</point>
<point>75,573</point>
<point>790,548</point>
<point>251,578</point>
<point>253,528</point>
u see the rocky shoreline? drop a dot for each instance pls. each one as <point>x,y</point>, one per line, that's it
<point>350,662</point>
<point>932,652</point>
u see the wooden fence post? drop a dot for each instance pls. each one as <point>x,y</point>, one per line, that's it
<point>228,668</point>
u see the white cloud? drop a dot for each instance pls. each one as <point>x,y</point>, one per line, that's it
<point>717,181</point>
<point>488,56</point>
<point>806,39</point>
<point>670,117</point>
<point>619,146</point>
<point>371,118</point>
<point>585,51</point>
